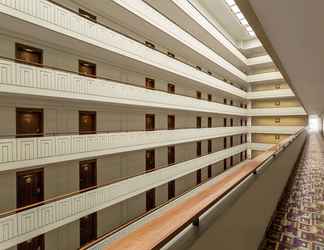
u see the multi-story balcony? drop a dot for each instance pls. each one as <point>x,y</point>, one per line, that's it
<point>270,94</point>
<point>25,152</point>
<point>47,20</point>
<point>276,129</point>
<point>260,146</point>
<point>283,111</point>
<point>18,78</point>
<point>265,77</point>
<point>22,224</point>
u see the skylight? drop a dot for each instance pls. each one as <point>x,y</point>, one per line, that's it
<point>235,9</point>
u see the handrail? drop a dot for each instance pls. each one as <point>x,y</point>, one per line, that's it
<point>107,79</point>
<point>157,232</point>
<point>132,38</point>
<point>71,133</point>
<point>64,196</point>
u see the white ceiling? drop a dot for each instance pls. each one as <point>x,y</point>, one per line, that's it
<point>295,31</point>
<point>221,12</point>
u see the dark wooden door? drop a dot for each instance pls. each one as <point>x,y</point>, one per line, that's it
<point>210,146</point>
<point>29,122</point>
<point>232,122</point>
<point>87,122</point>
<point>232,161</point>
<point>232,141</point>
<point>149,83</point>
<point>171,88</point>
<point>150,199</point>
<point>225,142</point>
<point>150,159</point>
<point>87,68</point>
<point>171,122</point>
<point>198,122</point>
<point>88,229</point>
<point>29,54</point>
<point>198,176</point>
<point>171,155</point>
<point>225,122</point>
<point>149,122</point>
<point>30,187</point>
<point>37,243</point>
<point>210,122</point>
<point>209,171</point>
<point>198,148</point>
<point>225,164</point>
<point>171,189</point>
<point>88,174</point>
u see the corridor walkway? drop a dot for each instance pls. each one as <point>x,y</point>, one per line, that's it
<point>298,222</point>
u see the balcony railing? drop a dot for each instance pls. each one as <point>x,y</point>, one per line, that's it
<point>24,223</point>
<point>65,21</point>
<point>24,152</point>
<point>280,111</point>
<point>290,130</point>
<point>160,230</point>
<point>270,94</point>
<point>21,78</point>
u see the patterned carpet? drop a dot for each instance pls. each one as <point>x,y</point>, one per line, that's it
<point>298,222</point>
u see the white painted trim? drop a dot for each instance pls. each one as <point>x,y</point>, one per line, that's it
<point>265,77</point>
<point>260,146</point>
<point>27,152</point>
<point>268,94</point>
<point>290,111</point>
<point>289,130</point>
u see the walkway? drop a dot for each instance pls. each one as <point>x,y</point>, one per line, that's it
<point>298,222</point>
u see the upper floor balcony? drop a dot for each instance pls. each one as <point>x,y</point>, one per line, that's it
<point>16,153</point>
<point>25,79</point>
<point>270,94</point>
<point>27,222</point>
<point>266,77</point>
<point>64,28</point>
<point>287,111</point>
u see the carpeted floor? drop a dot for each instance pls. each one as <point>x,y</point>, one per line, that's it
<point>298,222</point>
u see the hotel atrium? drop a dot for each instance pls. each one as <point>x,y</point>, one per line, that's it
<point>161,124</point>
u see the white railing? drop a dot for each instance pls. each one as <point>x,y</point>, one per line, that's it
<point>290,111</point>
<point>260,146</point>
<point>63,21</point>
<point>152,16</point>
<point>25,152</point>
<point>21,78</point>
<point>265,77</point>
<point>290,130</point>
<point>21,226</point>
<point>268,94</point>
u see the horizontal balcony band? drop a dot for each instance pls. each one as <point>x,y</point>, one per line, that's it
<point>25,79</point>
<point>156,233</point>
<point>26,152</point>
<point>260,146</point>
<point>20,225</point>
<point>46,19</point>
<point>103,241</point>
<point>259,60</point>
<point>269,94</point>
<point>290,130</point>
<point>265,77</point>
<point>289,111</point>
<point>154,17</point>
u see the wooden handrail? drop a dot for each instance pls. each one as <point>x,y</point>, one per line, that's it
<point>157,232</point>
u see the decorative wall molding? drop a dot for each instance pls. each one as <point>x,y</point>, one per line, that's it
<point>58,19</point>
<point>27,224</point>
<point>26,152</point>
<point>18,78</point>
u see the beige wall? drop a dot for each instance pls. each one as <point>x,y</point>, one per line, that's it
<point>276,103</point>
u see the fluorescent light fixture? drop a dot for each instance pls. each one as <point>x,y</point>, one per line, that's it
<point>236,10</point>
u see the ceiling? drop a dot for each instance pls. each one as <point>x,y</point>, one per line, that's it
<point>220,11</point>
<point>291,31</point>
